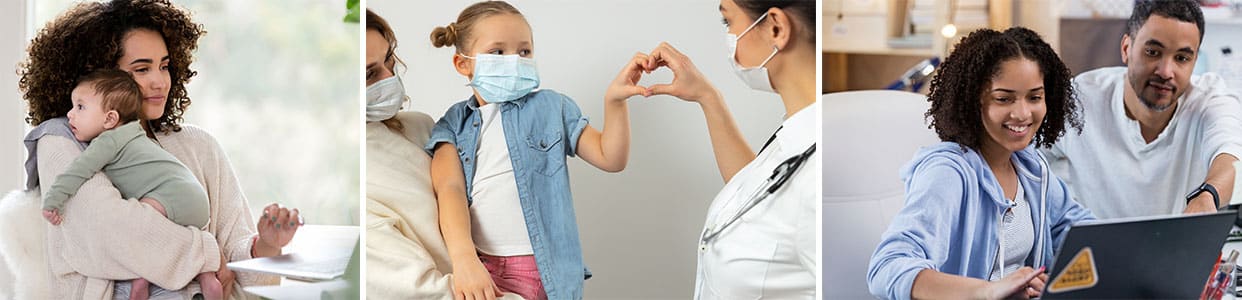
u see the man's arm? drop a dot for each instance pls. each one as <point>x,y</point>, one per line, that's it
<point>1220,175</point>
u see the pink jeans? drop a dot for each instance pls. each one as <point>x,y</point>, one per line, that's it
<point>515,274</point>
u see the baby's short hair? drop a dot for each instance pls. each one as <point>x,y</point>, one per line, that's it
<point>119,92</point>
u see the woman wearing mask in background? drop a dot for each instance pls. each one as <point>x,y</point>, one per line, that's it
<point>406,255</point>
<point>759,239</point>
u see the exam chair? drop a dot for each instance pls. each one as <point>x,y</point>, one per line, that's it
<point>868,136</point>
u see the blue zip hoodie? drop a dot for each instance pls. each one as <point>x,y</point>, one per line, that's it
<point>953,212</point>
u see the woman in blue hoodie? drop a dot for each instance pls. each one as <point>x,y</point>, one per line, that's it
<point>983,214</point>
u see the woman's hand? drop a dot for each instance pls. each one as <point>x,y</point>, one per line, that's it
<point>688,83</point>
<point>1036,285</point>
<point>1025,283</point>
<point>471,281</point>
<point>626,84</point>
<point>276,228</point>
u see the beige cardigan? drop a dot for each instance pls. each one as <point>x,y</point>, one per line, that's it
<point>104,237</point>
<point>406,255</point>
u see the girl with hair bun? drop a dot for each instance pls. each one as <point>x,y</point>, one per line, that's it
<point>499,161</point>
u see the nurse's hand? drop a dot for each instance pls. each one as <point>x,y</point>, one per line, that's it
<point>472,282</point>
<point>688,83</point>
<point>1022,284</point>
<point>626,84</point>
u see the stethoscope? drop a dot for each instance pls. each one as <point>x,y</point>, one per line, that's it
<point>780,175</point>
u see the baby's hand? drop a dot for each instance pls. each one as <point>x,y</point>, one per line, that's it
<point>52,216</point>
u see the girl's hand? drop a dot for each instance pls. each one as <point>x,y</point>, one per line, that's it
<point>1022,284</point>
<point>688,83</point>
<point>277,226</point>
<point>471,281</point>
<point>626,83</point>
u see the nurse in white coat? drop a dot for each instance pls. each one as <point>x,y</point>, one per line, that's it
<point>759,238</point>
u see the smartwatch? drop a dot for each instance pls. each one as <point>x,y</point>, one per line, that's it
<point>1206,187</point>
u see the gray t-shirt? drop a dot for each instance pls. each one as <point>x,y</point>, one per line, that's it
<point>1017,237</point>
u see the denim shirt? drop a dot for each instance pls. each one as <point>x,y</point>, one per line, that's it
<point>541,130</point>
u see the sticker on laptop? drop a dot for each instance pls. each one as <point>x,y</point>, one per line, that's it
<point>1079,274</point>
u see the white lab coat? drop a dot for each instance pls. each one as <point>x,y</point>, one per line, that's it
<point>770,251</point>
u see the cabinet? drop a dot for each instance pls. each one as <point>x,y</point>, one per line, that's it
<point>856,50</point>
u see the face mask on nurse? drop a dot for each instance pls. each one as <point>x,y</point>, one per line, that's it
<point>755,77</point>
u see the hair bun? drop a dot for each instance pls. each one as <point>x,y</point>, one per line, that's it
<point>444,36</point>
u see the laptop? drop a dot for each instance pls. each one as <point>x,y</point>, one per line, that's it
<point>346,287</point>
<point>296,266</point>
<point>1167,257</point>
<point>320,253</point>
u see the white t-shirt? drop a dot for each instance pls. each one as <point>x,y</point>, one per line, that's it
<point>496,221</point>
<point>1115,173</point>
<point>770,251</point>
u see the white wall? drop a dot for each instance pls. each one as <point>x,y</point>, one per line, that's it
<point>639,228</point>
<point>12,108</point>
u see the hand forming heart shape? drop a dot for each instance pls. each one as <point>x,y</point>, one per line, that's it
<point>688,84</point>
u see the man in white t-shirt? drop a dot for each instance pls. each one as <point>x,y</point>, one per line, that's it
<point>1155,140</point>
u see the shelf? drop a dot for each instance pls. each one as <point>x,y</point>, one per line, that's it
<point>863,35</point>
<point>846,49</point>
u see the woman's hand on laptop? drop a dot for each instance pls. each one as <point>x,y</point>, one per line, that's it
<point>1025,283</point>
<point>1036,285</point>
<point>276,228</point>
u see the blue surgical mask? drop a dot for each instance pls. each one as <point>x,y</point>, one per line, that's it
<point>501,78</point>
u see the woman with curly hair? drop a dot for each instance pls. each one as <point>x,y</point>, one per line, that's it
<point>982,210</point>
<point>153,41</point>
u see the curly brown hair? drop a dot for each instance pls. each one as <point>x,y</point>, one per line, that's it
<point>961,80</point>
<point>88,37</point>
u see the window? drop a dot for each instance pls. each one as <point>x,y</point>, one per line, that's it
<point>278,87</point>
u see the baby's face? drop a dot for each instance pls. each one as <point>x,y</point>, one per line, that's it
<point>87,118</point>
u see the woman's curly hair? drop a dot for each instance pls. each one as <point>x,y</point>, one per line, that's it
<point>964,76</point>
<point>89,37</point>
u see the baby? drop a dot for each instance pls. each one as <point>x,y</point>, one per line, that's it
<point>107,113</point>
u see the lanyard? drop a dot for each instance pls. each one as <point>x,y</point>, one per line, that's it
<point>779,177</point>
